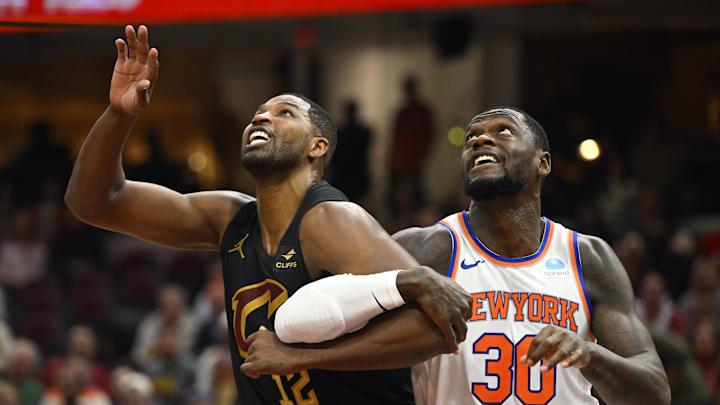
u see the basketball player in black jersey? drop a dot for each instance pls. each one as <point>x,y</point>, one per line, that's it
<point>298,229</point>
<point>505,160</point>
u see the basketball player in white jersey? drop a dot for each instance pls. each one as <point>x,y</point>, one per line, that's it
<point>553,312</point>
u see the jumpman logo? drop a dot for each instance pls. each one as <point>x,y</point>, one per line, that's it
<point>239,245</point>
<point>470,266</point>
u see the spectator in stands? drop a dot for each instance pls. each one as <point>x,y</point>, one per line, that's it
<point>23,254</point>
<point>214,374</point>
<point>350,164</point>
<point>6,343</point>
<point>170,369</point>
<point>704,347</point>
<point>171,318</point>
<point>655,308</point>
<point>703,298</point>
<point>686,382</point>
<point>677,261</point>
<point>632,252</point>
<point>73,386</point>
<point>8,395</point>
<point>412,139</point>
<point>81,343</point>
<point>209,304</point>
<point>132,387</point>
<point>41,151</point>
<point>20,372</point>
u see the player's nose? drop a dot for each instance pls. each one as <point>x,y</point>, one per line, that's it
<point>482,140</point>
<point>261,118</point>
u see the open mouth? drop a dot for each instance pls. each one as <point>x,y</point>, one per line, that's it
<point>258,137</point>
<point>484,159</point>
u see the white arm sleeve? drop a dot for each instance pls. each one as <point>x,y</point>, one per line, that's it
<point>336,305</point>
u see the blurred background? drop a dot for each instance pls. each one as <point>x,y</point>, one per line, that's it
<point>629,93</point>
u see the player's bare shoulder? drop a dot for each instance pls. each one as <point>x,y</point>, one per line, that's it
<point>219,207</point>
<point>431,246</point>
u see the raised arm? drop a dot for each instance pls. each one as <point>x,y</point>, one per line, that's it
<point>98,192</point>
<point>624,355</point>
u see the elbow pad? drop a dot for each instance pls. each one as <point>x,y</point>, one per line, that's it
<point>336,305</point>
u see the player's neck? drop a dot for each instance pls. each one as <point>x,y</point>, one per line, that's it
<point>278,199</point>
<point>510,227</point>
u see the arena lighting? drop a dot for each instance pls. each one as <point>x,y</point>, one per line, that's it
<point>456,136</point>
<point>589,149</point>
<point>197,162</point>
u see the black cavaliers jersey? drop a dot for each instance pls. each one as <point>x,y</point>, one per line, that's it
<point>256,284</point>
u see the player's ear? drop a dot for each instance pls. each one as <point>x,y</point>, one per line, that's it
<point>319,146</point>
<point>545,165</point>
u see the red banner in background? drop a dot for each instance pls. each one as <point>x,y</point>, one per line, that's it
<point>115,12</point>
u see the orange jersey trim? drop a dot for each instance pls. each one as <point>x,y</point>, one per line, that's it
<point>506,261</point>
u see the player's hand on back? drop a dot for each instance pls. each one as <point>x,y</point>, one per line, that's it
<point>441,298</point>
<point>135,73</point>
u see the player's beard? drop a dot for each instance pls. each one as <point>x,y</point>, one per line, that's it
<point>497,187</point>
<point>279,157</point>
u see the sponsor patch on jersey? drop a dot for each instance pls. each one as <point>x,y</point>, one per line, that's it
<point>287,264</point>
<point>555,268</point>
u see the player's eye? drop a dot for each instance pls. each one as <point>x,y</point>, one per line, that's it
<point>470,136</point>
<point>505,131</point>
<point>287,112</point>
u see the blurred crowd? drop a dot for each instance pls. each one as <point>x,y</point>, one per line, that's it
<point>93,317</point>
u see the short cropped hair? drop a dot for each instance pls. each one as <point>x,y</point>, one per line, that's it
<point>323,124</point>
<point>541,138</point>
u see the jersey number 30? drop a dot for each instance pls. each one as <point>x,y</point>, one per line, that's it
<point>508,360</point>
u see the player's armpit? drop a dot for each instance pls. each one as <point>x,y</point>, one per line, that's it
<point>624,355</point>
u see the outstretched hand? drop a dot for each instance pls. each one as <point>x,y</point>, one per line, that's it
<point>135,73</point>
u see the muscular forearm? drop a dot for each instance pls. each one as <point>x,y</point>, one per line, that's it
<point>635,380</point>
<point>98,172</point>
<point>400,338</point>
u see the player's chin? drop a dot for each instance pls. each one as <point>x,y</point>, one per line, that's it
<point>477,177</point>
<point>256,159</point>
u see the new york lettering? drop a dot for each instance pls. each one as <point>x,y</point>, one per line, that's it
<point>534,307</point>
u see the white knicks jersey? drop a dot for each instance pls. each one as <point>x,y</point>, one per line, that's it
<point>513,299</point>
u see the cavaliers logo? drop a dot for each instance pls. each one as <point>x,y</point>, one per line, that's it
<point>248,299</point>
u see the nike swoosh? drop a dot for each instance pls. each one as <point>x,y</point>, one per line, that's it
<point>470,266</point>
<point>378,302</point>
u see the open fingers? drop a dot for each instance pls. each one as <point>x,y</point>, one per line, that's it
<point>143,44</point>
<point>154,58</point>
<point>122,49</point>
<point>131,42</point>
